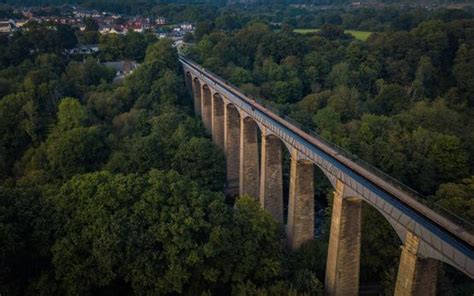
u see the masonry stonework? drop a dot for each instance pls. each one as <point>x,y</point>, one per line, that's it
<point>343,263</point>
<point>206,107</point>
<point>249,171</point>
<point>218,121</point>
<point>271,176</point>
<point>301,202</point>
<point>232,147</point>
<point>416,275</point>
<point>197,96</point>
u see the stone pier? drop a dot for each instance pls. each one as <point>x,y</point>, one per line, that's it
<point>343,263</point>
<point>301,202</point>
<point>189,83</point>
<point>416,275</point>
<point>271,176</point>
<point>249,172</point>
<point>232,147</point>
<point>218,121</point>
<point>206,107</point>
<point>197,96</point>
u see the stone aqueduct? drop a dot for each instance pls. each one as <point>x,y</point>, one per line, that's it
<point>233,121</point>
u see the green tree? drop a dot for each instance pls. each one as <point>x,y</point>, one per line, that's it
<point>464,73</point>
<point>163,54</point>
<point>424,85</point>
<point>91,24</point>
<point>458,197</point>
<point>340,75</point>
<point>345,101</point>
<point>256,253</point>
<point>203,162</point>
<point>434,158</point>
<point>71,114</point>
<point>76,151</point>
<point>178,237</point>
<point>391,100</point>
<point>20,216</point>
<point>202,29</point>
<point>93,208</point>
<point>14,138</point>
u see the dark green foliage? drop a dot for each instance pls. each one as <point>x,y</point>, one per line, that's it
<point>94,210</point>
<point>76,151</point>
<point>132,46</point>
<point>202,161</point>
<point>118,192</point>
<point>19,212</point>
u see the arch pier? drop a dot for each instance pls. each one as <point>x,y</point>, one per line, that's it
<point>235,122</point>
<point>271,175</point>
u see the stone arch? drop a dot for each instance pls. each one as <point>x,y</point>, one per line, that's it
<point>197,96</point>
<point>218,120</point>
<point>206,107</point>
<point>430,249</point>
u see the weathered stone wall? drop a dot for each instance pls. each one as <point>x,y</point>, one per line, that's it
<point>343,263</point>
<point>271,176</point>
<point>249,170</point>
<point>206,107</point>
<point>197,96</point>
<point>218,121</point>
<point>301,202</point>
<point>232,147</point>
<point>416,275</point>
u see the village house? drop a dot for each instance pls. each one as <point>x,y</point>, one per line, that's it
<point>8,26</point>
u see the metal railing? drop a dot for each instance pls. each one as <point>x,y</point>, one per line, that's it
<point>446,213</point>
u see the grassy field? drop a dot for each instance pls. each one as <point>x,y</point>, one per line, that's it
<point>361,35</point>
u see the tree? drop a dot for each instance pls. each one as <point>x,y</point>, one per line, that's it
<point>169,88</point>
<point>328,123</point>
<point>333,32</point>
<point>91,24</point>
<point>21,214</point>
<point>188,37</point>
<point>345,101</point>
<point>457,197</point>
<point>424,85</point>
<point>202,162</point>
<point>202,29</point>
<point>464,73</point>
<point>111,46</point>
<point>391,100</point>
<point>163,54</point>
<point>14,137</point>
<point>76,151</point>
<point>106,105</point>
<point>71,114</point>
<point>182,224</point>
<point>340,75</point>
<point>434,158</point>
<point>257,241</point>
<point>93,208</point>
<point>135,45</point>
<point>240,76</point>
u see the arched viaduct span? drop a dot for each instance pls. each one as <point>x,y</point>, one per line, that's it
<point>428,237</point>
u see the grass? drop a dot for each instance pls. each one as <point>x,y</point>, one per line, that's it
<point>360,35</point>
